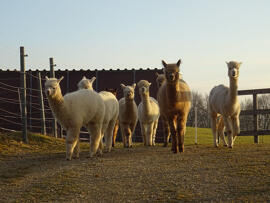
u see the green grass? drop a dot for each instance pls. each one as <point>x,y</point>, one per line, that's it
<point>11,143</point>
<point>205,137</point>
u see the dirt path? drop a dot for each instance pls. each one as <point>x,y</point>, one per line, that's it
<point>141,174</point>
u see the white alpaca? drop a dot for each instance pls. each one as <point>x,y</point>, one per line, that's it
<point>148,112</point>
<point>111,112</point>
<point>110,118</point>
<point>160,79</point>
<point>128,114</point>
<point>74,110</point>
<point>224,101</point>
<point>86,83</point>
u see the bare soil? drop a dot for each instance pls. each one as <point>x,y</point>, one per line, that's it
<point>140,174</point>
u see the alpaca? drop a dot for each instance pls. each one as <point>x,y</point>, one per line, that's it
<point>174,98</point>
<point>116,127</point>
<point>86,83</point>
<point>110,118</point>
<point>111,112</point>
<point>160,79</point>
<point>148,112</point>
<point>223,100</point>
<point>128,114</point>
<point>74,110</point>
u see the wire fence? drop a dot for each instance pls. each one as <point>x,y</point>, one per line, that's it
<point>10,106</point>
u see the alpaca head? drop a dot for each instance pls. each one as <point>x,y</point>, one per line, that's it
<point>160,79</point>
<point>52,87</point>
<point>171,71</point>
<point>143,86</point>
<point>86,83</point>
<point>112,90</point>
<point>233,69</point>
<point>128,91</point>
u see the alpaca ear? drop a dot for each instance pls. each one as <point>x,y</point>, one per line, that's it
<point>122,86</point>
<point>227,62</point>
<point>164,64</point>
<point>178,62</point>
<point>92,79</point>
<point>239,64</point>
<point>134,85</point>
<point>59,80</point>
<point>46,78</point>
<point>150,83</point>
<point>84,78</point>
<point>157,74</point>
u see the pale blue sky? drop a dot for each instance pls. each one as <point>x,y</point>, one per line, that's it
<point>139,34</point>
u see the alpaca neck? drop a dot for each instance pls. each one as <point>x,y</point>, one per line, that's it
<point>146,103</point>
<point>57,104</point>
<point>129,104</point>
<point>173,91</point>
<point>233,91</point>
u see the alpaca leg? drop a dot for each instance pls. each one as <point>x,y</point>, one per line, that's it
<point>109,136</point>
<point>115,130</point>
<point>132,130</point>
<point>71,141</point>
<point>173,132</point>
<point>235,127</point>
<point>166,131</point>
<point>129,138</point>
<point>150,133</point>
<point>181,131</point>
<point>100,146</point>
<point>123,134</point>
<point>228,125</point>
<point>154,133</point>
<point>220,129</point>
<point>77,148</point>
<point>95,141</point>
<point>214,128</point>
<point>143,132</point>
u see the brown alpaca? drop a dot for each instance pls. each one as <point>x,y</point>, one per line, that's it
<point>116,127</point>
<point>174,98</point>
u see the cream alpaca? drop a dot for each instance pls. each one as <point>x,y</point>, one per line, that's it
<point>223,100</point>
<point>86,83</point>
<point>111,113</point>
<point>128,114</point>
<point>110,118</point>
<point>148,112</point>
<point>174,98</point>
<point>160,79</point>
<point>74,110</point>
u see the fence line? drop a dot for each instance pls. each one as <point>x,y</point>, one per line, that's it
<point>255,112</point>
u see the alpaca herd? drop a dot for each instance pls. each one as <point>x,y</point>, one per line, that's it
<point>102,114</point>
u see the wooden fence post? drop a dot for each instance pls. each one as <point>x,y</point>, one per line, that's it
<point>42,111</point>
<point>23,95</point>
<point>52,75</point>
<point>255,118</point>
<point>30,100</point>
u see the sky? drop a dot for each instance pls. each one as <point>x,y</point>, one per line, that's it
<point>105,34</point>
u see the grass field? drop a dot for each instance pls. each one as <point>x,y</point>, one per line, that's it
<point>38,172</point>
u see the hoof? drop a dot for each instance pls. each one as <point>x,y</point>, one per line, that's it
<point>230,147</point>
<point>68,159</point>
<point>165,145</point>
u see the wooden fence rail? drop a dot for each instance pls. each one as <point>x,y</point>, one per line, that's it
<point>255,112</point>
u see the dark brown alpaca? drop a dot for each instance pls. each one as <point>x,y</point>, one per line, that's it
<point>174,100</point>
<point>116,127</point>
